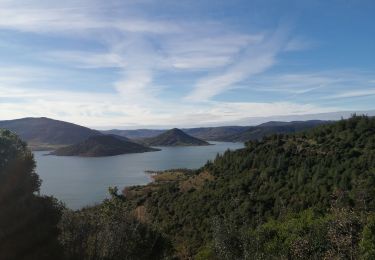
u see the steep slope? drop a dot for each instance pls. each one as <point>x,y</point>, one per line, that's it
<point>269,179</point>
<point>43,131</point>
<point>174,137</point>
<point>102,145</point>
<point>272,127</point>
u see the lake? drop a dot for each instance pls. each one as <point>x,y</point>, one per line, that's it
<point>80,181</point>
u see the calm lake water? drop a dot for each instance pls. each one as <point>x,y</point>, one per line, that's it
<point>79,181</point>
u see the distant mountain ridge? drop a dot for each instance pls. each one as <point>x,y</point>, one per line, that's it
<point>229,133</point>
<point>174,137</point>
<point>49,134</point>
<point>214,133</point>
<point>44,132</point>
<point>273,127</point>
<point>102,145</point>
<point>296,122</point>
<point>135,134</point>
<point>204,133</point>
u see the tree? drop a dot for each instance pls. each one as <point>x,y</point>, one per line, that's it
<point>367,243</point>
<point>343,234</point>
<point>28,222</point>
<point>109,232</point>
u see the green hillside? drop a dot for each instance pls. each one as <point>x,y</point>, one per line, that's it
<point>332,165</point>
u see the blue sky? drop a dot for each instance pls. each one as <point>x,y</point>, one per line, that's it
<point>184,63</point>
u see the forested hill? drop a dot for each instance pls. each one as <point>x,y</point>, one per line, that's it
<point>270,128</point>
<point>329,171</point>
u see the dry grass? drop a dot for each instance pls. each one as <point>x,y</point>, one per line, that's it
<point>140,213</point>
<point>169,176</point>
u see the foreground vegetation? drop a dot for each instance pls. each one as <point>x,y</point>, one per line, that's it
<point>308,195</point>
<point>28,223</point>
<point>278,193</point>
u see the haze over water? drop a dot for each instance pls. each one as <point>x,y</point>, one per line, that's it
<point>79,181</point>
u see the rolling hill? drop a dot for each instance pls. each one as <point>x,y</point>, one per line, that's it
<point>102,145</point>
<point>46,133</point>
<point>174,137</point>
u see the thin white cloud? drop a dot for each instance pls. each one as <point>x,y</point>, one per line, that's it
<point>212,86</point>
<point>297,83</point>
<point>355,93</point>
<point>255,59</point>
<point>202,50</point>
<point>13,77</point>
<point>135,86</point>
<point>73,17</point>
<point>85,59</point>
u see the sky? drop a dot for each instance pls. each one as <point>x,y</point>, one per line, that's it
<point>160,63</point>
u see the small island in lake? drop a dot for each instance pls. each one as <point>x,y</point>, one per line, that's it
<point>174,137</point>
<point>103,145</point>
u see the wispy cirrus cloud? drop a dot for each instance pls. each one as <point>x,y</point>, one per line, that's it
<point>74,17</point>
<point>354,93</point>
<point>140,56</point>
<point>141,47</point>
<point>75,42</point>
<point>252,60</point>
<point>326,84</point>
<point>298,83</point>
<point>202,50</point>
<point>86,59</point>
